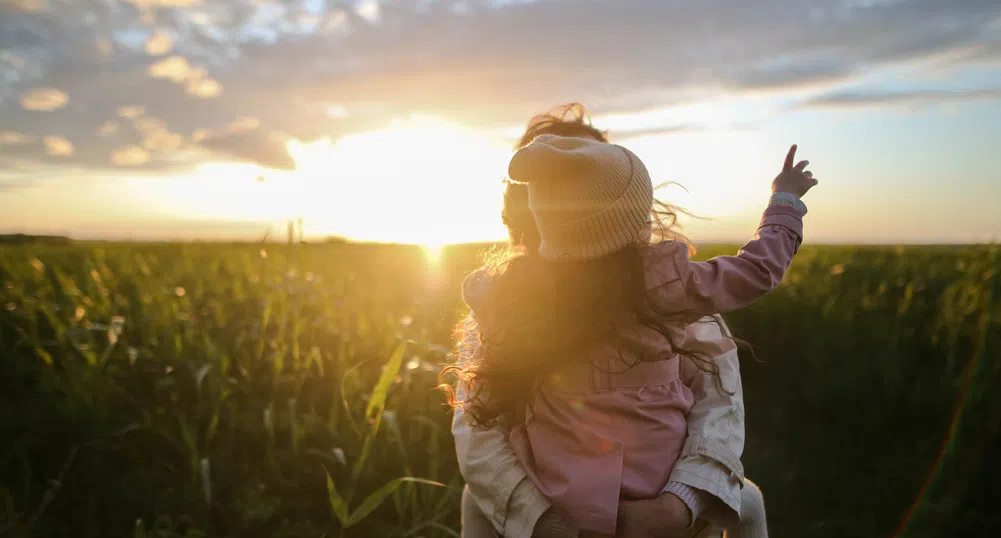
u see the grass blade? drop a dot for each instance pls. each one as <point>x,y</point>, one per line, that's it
<point>377,497</point>
<point>337,504</point>
<point>381,390</point>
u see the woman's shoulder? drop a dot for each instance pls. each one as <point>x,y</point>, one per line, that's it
<point>709,335</point>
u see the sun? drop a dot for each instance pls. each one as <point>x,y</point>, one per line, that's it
<point>420,180</point>
<point>433,252</point>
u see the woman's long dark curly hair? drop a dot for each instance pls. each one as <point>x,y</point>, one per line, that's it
<point>537,316</point>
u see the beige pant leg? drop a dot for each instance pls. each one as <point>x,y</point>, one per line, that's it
<point>474,523</point>
<point>753,523</point>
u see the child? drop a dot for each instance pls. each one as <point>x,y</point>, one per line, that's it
<point>581,343</point>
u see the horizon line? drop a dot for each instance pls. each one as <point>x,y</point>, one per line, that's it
<point>5,238</point>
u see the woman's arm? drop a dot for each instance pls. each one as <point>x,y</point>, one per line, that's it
<point>710,460</point>
<point>497,482</point>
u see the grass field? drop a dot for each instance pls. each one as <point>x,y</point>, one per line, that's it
<point>264,390</point>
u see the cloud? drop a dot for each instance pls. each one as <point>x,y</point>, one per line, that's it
<point>622,134</point>
<point>368,10</point>
<point>107,128</point>
<point>130,156</point>
<point>175,68</point>
<point>252,146</point>
<point>337,111</point>
<point>164,3</point>
<point>799,72</point>
<point>43,99</point>
<point>204,87</point>
<point>200,135</point>
<point>163,140</point>
<point>28,5</point>
<point>871,98</point>
<point>159,44</point>
<point>299,68</point>
<point>130,111</point>
<point>13,138</point>
<point>58,146</point>
<point>247,123</point>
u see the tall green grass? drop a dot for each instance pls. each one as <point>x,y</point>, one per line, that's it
<point>240,390</point>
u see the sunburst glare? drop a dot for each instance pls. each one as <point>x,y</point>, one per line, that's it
<point>420,180</point>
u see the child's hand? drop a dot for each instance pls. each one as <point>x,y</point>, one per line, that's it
<point>794,179</point>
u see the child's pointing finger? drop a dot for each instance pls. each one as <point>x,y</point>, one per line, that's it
<point>790,157</point>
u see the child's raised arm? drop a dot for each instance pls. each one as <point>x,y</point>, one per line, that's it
<point>726,283</point>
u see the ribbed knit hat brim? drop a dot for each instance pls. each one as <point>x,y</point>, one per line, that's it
<point>589,198</point>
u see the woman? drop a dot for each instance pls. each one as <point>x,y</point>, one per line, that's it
<point>707,490</point>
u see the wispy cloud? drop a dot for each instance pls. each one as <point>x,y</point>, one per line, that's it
<point>265,149</point>
<point>873,98</point>
<point>43,99</point>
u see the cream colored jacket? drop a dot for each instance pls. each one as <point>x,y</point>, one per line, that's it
<point>710,460</point>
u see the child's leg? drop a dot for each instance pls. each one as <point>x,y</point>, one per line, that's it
<point>474,523</point>
<point>752,514</point>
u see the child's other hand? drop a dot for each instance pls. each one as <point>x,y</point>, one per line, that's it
<point>794,179</point>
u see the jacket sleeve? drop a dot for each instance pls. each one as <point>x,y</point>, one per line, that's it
<point>496,480</point>
<point>710,458</point>
<point>726,283</point>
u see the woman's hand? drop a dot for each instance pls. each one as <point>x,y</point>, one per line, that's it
<point>666,516</point>
<point>794,179</point>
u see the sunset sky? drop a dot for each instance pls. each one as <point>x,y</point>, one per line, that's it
<point>394,120</point>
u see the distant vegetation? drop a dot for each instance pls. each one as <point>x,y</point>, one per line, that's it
<point>21,239</point>
<point>155,390</point>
